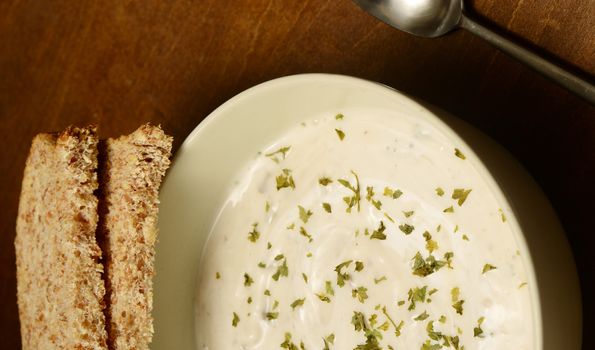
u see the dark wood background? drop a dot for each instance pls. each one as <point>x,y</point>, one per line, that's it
<point>119,63</point>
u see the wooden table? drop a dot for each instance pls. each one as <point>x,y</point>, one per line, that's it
<point>119,63</point>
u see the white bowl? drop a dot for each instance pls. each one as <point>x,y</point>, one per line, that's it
<point>211,157</point>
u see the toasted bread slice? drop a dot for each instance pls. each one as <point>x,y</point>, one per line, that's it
<point>135,166</point>
<point>59,286</point>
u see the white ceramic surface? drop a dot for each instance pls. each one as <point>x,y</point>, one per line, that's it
<point>212,156</point>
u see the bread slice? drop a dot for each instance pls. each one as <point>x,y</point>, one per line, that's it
<point>135,165</point>
<point>59,286</point>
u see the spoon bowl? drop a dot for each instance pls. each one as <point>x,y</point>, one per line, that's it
<point>425,18</point>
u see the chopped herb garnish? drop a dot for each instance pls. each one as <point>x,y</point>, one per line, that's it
<point>449,210</point>
<point>431,245</point>
<point>327,207</point>
<point>267,206</point>
<point>342,276</point>
<point>248,280</point>
<point>285,180</point>
<point>235,320</point>
<point>401,302</point>
<point>329,288</point>
<point>282,270</point>
<point>416,295</point>
<point>297,303</point>
<point>291,226</point>
<point>217,275</point>
<point>379,232</point>
<point>323,297</point>
<point>406,228</point>
<point>378,280</point>
<point>439,191</point>
<point>324,181</point>
<point>254,234</point>
<point>370,198</point>
<point>340,133</point>
<point>394,194</point>
<point>287,344</point>
<point>309,255</point>
<point>271,315</point>
<point>339,116</point>
<point>279,257</point>
<point>304,214</point>
<point>355,199</point>
<point>280,152</point>
<point>422,316</point>
<point>424,267</point>
<point>269,245</point>
<point>305,277</point>
<point>262,265</point>
<point>442,319</point>
<point>275,304</point>
<point>457,304</point>
<point>389,218</point>
<point>502,216</point>
<point>459,154</point>
<point>397,327</point>
<point>488,267</point>
<point>448,257</point>
<point>360,293</point>
<point>358,321</point>
<point>359,266</point>
<point>249,300</point>
<point>460,194</point>
<point>477,331</point>
<point>408,213</point>
<point>465,238</point>
<point>305,233</point>
<point>267,292</point>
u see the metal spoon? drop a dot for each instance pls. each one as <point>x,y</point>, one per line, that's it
<point>432,18</point>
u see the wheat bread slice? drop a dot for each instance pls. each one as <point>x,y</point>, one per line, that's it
<point>134,167</point>
<point>59,286</point>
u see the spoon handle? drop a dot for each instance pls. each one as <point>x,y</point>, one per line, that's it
<point>561,76</point>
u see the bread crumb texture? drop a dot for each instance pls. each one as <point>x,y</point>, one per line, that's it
<point>59,286</point>
<point>135,166</point>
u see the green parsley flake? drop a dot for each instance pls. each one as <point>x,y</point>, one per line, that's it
<point>267,206</point>
<point>249,300</point>
<point>262,265</point>
<point>305,277</point>
<point>488,267</point>
<point>291,226</point>
<point>324,181</point>
<point>370,198</point>
<point>342,276</point>
<point>522,285</point>
<point>359,266</point>
<point>406,228</point>
<point>339,116</point>
<point>389,218</point>
<point>465,238</point>
<point>460,194</point>
<point>217,275</point>
<point>305,233</point>
<point>378,280</point>
<point>416,295</point>
<point>379,232</point>
<point>327,207</point>
<point>248,280</point>
<point>267,292</point>
<point>439,191</point>
<point>358,321</point>
<point>280,152</point>
<point>502,216</point>
<point>424,267</point>
<point>340,133</point>
<point>235,320</point>
<point>477,331</point>
<point>449,210</point>
<point>329,288</point>
<point>422,316</point>
<point>304,214</point>
<point>459,154</point>
<point>297,303</point>
<point>323,297</point>
<point>355,199</point>
<point>271,315</point>
<point>282,271</point>
<point>397,327</point>
<point>408,213</point>
<point>360,293</point>
<point>254,234</point>
<point>431,245</point>
<point>287,344</point>
<point>442,319</point>
<point>457,304</point>
<point>269,245</point>
<point>394,194</point>
<point>285,180</point>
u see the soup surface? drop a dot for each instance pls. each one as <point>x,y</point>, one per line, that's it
<point>362,230</point>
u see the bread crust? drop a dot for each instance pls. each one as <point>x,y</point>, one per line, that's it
<point>60,290</point>
<point>134,168</point>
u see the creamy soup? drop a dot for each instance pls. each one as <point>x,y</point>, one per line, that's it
<point>362,231</point>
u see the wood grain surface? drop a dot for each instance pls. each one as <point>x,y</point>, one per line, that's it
<point>119,63</point>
